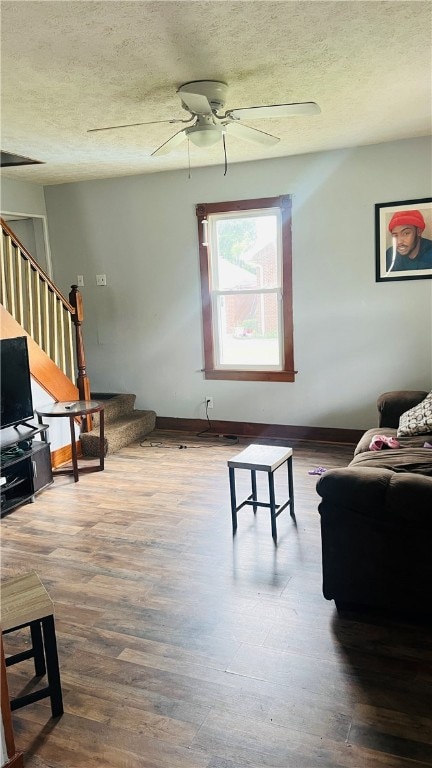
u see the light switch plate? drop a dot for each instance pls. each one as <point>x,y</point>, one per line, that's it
<point>101,280</point>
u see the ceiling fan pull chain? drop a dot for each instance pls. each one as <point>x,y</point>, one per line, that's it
<point>225,154</point>
<point>189,167</point>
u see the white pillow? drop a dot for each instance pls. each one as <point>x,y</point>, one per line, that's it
<point>418,420</point>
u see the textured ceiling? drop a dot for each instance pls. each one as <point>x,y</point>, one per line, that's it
<point>69,66</point>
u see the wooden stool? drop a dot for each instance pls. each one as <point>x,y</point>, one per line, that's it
<point>265,458</point>
<point>26,603</point>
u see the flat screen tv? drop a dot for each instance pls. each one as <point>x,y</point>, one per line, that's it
<point>16,393</point>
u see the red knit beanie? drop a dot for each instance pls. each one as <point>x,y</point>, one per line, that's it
<point>407,218</point>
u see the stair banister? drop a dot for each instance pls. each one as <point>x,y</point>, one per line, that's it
<point>41,309</point>
<point>83,382</point>
<point>28,257</point>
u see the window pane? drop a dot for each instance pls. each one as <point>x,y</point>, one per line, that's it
<point>248,326</point>
<point>246,252</point>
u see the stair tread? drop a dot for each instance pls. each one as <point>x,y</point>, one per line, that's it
<point>115,407</point>
<point>119,432</point>
<point>124,420</point>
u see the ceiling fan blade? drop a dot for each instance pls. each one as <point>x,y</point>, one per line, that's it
<point>131,125</point>
<point>251,134</point>
<point>276,110</point>
<point>170,144</point>
<point>196,103</point>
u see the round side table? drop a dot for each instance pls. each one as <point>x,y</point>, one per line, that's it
<point>71,410</point>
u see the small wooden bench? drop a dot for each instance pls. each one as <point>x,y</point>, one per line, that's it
<point>262,458</point>
<point>26,603</point>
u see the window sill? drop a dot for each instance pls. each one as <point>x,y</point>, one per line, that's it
<point>233,375</point>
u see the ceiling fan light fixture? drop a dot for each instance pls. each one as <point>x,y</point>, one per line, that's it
<point>204,135</point>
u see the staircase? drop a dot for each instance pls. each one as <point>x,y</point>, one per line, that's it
<point>123,424</point>
<point>32,305</point>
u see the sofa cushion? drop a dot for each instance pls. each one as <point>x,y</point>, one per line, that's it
<point>416,460</point>
<point>418,420</point>
<point>414,441</point>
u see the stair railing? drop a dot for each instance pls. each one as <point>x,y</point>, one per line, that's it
<point>40,308</point>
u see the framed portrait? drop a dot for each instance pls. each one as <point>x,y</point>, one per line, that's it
<point>403,240</point>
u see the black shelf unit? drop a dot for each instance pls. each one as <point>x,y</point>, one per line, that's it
<point>25,464</point>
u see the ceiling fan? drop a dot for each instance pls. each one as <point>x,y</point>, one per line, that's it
<point>205,100</point>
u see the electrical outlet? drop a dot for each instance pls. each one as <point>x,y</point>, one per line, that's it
<point>209,402</point>
<point>101,280</point>
<point>80,281</point>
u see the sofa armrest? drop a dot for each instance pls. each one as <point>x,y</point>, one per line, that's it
<point>362,491</point>
<point>391,405</point>
<point>376,534</point>
<point>396,498</point>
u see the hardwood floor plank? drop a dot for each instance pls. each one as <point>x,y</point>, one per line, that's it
<point>108,745</point>
<point>388,743</point>
<point>394,723</point>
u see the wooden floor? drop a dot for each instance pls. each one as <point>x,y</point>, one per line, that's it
<point>183,648</point>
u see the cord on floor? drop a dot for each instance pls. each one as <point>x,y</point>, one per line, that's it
<point>224,439</point>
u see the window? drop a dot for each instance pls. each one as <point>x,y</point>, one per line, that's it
<point>245,263</point>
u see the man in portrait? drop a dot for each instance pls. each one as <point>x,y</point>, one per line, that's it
<point>409,249</point>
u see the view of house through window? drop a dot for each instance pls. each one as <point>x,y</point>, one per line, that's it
<point>245,250</point>
<point>246,288</point>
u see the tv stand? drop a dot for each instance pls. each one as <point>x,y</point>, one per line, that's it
<point>25,464</point>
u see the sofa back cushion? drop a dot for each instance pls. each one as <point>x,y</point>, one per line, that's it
<point>391,405</point>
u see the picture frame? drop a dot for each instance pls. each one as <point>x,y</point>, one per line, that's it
<point>396,255</point>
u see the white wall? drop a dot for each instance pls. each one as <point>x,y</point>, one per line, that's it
<point>354,338</point>
<point>59,430</point>
<point>27,200</point>
<point>22,197</point>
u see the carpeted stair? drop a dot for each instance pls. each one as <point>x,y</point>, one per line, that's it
<point>123,424</point>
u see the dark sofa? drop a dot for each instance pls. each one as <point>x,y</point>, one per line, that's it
<point>376,521</point>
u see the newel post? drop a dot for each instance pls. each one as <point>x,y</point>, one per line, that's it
<point>83,381</point>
